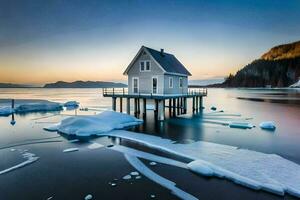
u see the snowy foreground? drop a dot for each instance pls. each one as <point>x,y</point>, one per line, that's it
<point>252,169</point>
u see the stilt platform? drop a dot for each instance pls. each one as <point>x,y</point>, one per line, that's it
<point>176,103</point>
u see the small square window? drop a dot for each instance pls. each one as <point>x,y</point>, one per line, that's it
<point>142,65</point>
<point>147,65</point>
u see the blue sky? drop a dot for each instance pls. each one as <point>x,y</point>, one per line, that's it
<point>95,40</point>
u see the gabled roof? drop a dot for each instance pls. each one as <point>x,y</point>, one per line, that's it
<point>168,62</point>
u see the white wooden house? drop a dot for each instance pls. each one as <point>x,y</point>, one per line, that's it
<point>157,73</point>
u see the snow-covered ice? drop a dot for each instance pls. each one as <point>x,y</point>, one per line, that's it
<point>95,145</point>
<point>30,158</point>
<point>269,125</point>
<point>94,124</point>
<point>243,125</point>
<point>127,177</point>
<point>38,107</point>
<point>6,111</point>
<point>152,163</point>
<point>252,169</point>
<point>134,173</point>
<point>143,169</point>
<point>256,170</point>
<point>88,197</point>
<point>295,85</point>
<point>71,104</point>
<point>70,150</point>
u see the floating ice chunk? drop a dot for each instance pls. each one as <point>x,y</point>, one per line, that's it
<point>242,125</point>
<point>88,197</point>
<point>12,149</point>
<point>152,196</point>
<point>70,150</point>
<point>269,125</point>
<point>138,177</point>
<point>150,107</point>
<point>95,146</point>
<point>127,177</point>
<point>252,169</point>
<point>201,167</point>
<point>143,169</point>
<point>149,156</point>
<point>49,198</point>
<point>134,173</point>
<point>71,104</point>
<point>152,163</point>
<point>295,85</point>
<point>39,107</point>
<point>94,124</point>
<point>30,158</point>
<point>6,111</point>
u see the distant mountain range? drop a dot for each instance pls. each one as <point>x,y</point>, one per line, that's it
<point>279,67</point>
<point>11,85</point>
<point>84,84</point>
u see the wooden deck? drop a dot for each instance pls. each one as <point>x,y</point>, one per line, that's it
<point>123,93</point>
<point>177,103</point>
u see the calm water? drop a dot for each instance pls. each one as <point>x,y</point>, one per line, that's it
<point>74,175</point>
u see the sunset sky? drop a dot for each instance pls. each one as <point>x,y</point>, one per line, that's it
<point>51,40</point>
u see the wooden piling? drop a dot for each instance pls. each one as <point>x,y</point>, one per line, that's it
<point>161,110</point>
<point>121,104</point>
<point>128,106</point>
<point>114,102</point>
<point>12,103</point>
<point>144,107</point>
<point>174,107</point>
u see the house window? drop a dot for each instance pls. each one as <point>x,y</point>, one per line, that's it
<point>142,66</point>
<point>145,66</point>
<point>180,82</point>
<point>170,82</point>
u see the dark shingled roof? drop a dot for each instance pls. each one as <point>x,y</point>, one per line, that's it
<point>169,62</point>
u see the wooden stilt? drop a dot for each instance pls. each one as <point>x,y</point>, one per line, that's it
<point>121,104</point>
<point>144,107</point>
<point>193,104</point>
<point>174,107</point>
<point>170,107</point>
<point>135,106</point>
<point>138,107</point>
<point>184,105</point>
<point>161,110</point>
<point>114,101</point>
<point>128,106</point>
<point>178,106</point>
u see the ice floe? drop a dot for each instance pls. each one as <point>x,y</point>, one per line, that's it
<point>252,169</point>
<point>88,197</point>
<point>269,125</point>
<point>243,125</point>
<point>94,124</point>
<point>143,169</point>
<point>30,158</point>
<point>70,150</point>
<point>95,145</point>
<point>38,107</point>
<point>6,111</point>
<point>71,104</point>
<point>256,170</point>
<point>127,177</point>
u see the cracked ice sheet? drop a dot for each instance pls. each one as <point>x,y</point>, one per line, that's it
<point>252,169</point>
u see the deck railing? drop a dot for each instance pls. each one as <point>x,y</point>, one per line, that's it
<point>124,91</point>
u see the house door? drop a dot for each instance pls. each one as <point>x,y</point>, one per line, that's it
<point>154,85</point>
<point>135,85</point>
